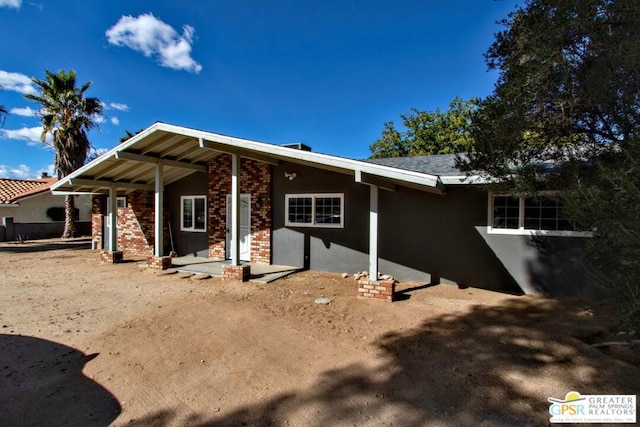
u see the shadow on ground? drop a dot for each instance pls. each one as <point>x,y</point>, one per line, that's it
<point>45,245</point>
<point>41,383</point>
<point>493,365</point>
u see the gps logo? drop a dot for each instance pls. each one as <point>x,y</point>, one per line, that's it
<point>568,406</point>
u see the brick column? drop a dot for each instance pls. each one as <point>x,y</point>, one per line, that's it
<point>237,272</point>
<point>108,257</point>
<point>256,181</point>
<point>382,290</point>
<point>158,262</point>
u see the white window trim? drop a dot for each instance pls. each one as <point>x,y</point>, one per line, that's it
<point>119,199</point>
<point>521,231</point>
<point>313,197</point>
<point>192,228</point>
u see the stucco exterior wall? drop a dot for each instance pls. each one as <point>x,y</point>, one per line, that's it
<point>547,265</point>
<point>29,218</point>
<point>423,237</point>
<point>187,242</point>
<point>34,209</point>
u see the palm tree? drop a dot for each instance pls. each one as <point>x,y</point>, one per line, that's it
<point>67,115</point>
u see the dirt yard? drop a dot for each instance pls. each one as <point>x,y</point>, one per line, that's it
<point>89,344</point>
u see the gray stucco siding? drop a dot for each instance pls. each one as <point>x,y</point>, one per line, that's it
<point>422,236</point>
<point>546,265</point>
<point>187,242</point>
<point>437,235</point>
<point>325,249</point>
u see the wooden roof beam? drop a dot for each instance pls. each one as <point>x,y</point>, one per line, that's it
<point>225,148</point>
<point>123,155</point>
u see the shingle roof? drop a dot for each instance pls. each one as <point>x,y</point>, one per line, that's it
<point>12,190</point>
<point>439,164</point>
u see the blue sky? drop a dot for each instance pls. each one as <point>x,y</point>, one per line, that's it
<point>326,73</point>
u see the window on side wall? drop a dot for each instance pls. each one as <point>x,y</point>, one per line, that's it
<point>121,202</point>
<point>541,214</point>
<point>314,210</point>
<point>193,215</point>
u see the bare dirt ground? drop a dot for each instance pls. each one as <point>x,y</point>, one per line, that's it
<point>89,344</point>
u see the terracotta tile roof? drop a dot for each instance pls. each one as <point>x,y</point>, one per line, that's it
<point>12,190</point>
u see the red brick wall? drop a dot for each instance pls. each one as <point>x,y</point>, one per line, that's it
<point>255,179</point>
<point>136,234</point>
<point>136,220</point>
<point>96,221</point>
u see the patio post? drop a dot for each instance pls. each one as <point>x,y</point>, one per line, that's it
<point>235,209</point>
<point>113,218</point>
<point>373,232</point>
<point>159,201</point>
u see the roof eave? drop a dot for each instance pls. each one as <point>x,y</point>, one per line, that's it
<point>412,179</point>
<point>466,180</point>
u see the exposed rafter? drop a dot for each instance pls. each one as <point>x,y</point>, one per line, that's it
<point>83,182</point>
<point>123,155</point>
<point>225,148</point>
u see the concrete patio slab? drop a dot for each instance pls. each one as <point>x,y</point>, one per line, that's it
<point>261,273</point>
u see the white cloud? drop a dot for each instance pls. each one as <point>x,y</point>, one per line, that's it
<point>115,121</point>
<point>94,153</point>
<point>118,106</point>
<point>98,118</point>
<point>16,82</point>
<point>25,172</point>
<point>24,112</point>
<point>11,3</point>
<point>20,172</point>
<point>49,170</point>
<point>30,135</point>
<point>152,37</point>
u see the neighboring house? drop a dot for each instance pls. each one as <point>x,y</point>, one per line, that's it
<point>175,189</point>
<point>28,209</point>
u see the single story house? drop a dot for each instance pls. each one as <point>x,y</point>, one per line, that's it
<point>29,209</point>
<point>172,188</point>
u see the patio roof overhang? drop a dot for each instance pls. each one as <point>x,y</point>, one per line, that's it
<point>163,154</point>
<point>182,151</point>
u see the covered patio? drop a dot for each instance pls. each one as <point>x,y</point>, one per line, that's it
<point>164,154</point>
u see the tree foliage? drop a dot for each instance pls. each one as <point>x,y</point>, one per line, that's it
<point>3,114</point>
<point>426,133</point>
<point>128,135</point>
<point>568,95</point>
<point>67,114</point>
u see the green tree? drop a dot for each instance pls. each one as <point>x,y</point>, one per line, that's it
<point>67,114</point>
<point>568,95</point>
<point>428,133</point>
<point>128,135</point>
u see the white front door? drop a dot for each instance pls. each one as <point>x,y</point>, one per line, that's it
<point>245,227</point>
